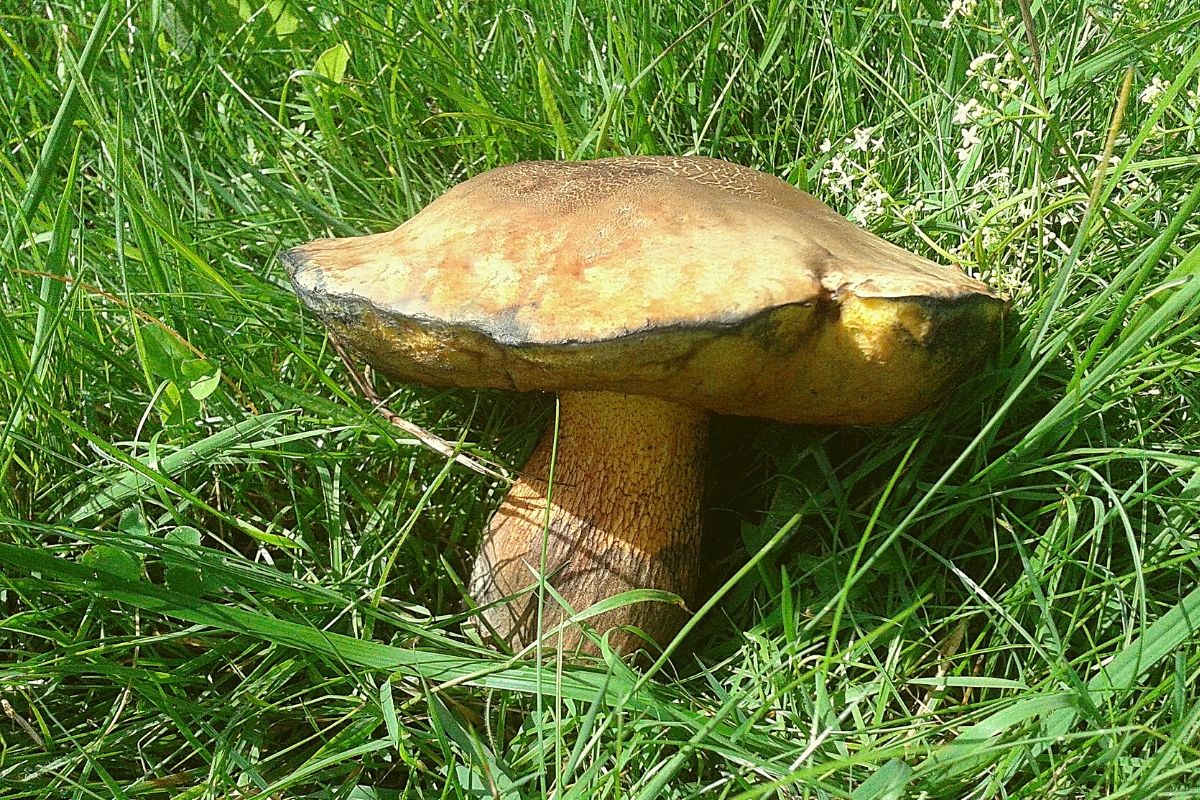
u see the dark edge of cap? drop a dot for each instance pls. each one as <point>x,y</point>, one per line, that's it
<point>345,309</point>
<point>294,261</point>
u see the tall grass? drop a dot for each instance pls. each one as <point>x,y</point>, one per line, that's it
<point>226,575</point>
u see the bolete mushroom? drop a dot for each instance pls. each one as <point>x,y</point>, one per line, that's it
<point>647,292</point>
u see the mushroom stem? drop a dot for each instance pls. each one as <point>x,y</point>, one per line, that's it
<point>623,513</point>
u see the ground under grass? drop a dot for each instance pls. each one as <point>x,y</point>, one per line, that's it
<point>225,575</point>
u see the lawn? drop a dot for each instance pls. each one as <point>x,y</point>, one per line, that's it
<point>224,573</point>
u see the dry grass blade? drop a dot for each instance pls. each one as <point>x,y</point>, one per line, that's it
<point>427,438</point>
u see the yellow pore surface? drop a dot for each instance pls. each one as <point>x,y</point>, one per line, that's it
<point>864,361</point>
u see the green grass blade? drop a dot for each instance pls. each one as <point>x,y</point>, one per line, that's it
<point>434,668</point>
<point>139,475</point>
<point>55,145</point>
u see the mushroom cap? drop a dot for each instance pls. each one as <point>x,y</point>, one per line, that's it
<point>690,279</point>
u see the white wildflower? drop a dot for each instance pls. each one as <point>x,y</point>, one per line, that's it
<point>869,205</point>
<point>862,140</point>
<point>968,112</point>
<point>1156,88</point>
<point>825,145</point>
<point>845,183</point>
<point>978,63</point>
<point>970,138</point>
<point>837,176</point>
<point>959,8</point>
<point>1012,85</point>
<point>1051,239</point>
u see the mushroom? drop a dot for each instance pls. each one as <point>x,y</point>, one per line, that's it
<point>648,292</point>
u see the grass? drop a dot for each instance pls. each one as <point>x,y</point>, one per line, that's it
<point>224,575</point>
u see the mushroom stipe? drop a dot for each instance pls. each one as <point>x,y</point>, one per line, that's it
<point>648,292</point>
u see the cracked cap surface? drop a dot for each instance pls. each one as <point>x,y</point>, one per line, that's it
<point>691,279</point>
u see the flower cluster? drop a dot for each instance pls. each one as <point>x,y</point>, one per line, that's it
<point>997,74</point>
<point>1154,90</point>
<point>851,173</point>
<point>997,78</point>
<point>1006,213</point>
<point>959,8</point>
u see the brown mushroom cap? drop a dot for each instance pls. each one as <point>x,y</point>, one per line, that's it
<point>690,279</point>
